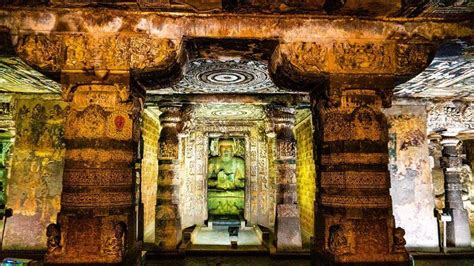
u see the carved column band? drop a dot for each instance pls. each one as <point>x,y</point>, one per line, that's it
<point>97,203</point>
<point>288,228</point>
<point>354,217</point>
<point>457,230</point>
<point>168,221</point>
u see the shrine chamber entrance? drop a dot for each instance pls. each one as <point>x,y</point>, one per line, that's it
<point>217,147</point>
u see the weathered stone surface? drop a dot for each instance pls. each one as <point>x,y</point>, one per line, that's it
<point>97,201</point>
<point>410,171</point>
<point>305,172</point>
<point>354,206</point>
<point>288,230</point>
<point>168,220</point>
<point>149,174</point>
<point>94,39</point>
<point>457,230</point>
<point>35,183</point>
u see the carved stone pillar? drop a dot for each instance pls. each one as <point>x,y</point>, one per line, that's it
<point>354,221</point>
<point>168,220</point>
<point>350,80</point>
<point>288,230</point>
<point>457,231</point>
<point>96,223</point>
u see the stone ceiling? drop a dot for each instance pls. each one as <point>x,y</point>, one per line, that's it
<point>212,76</point>
<point>392,8</point>
<point>246,112</point>
<point>450,75</point>
<point>18,77</point>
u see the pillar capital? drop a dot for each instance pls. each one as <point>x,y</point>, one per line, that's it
<point>353,63</point>
<point>103,54</point>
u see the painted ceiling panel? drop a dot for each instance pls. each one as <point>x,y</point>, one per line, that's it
<point>210,76</point>
<point>450,75</point>
<point>18,77</point>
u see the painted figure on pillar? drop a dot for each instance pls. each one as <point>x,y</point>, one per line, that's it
<point>226,179</point>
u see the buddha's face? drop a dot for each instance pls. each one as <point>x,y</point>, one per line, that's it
<point>226,152</point>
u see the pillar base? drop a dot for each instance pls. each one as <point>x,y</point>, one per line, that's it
<point>288,228</point>
<point>91,240</point>
<point>391,260</point>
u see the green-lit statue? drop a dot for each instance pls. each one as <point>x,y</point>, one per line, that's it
<point>226,171</point>
<point>226,181</point>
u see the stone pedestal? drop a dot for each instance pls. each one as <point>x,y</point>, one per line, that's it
<point>168,222</point>
<point>457,231</point>
<point>96,223</point>
<point>288,229</point>
<point>354,222</point>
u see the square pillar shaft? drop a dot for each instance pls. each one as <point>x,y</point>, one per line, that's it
<point>354,222</point>
<point>96,223</point>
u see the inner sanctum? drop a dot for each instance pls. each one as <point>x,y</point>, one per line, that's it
<point>235,168</point>
<point>177,132</point>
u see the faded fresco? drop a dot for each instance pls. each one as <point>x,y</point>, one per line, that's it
<point>410,172</point>
<point>35,183</point>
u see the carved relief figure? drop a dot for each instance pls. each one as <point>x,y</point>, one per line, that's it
<point>399,240</point>
<point>337,243</point>
<point>53,233</point>
<point>114,246</point>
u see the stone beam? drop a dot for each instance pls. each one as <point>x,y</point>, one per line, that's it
<point>56,39</point>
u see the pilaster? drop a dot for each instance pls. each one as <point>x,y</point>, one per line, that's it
<point>457,230</point>
<point>168,221</point>
<point>288,228</point>
<point>96,223</point>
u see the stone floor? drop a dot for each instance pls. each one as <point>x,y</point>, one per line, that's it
<point>247,260</point>
<point>220,236</point>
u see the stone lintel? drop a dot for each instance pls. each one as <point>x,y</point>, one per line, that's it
<point>97,39</point>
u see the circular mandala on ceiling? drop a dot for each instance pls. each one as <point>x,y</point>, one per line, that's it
<point>214,76</point>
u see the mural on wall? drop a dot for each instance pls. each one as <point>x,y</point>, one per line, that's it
<point>35,184</point>
<point>410,173</point>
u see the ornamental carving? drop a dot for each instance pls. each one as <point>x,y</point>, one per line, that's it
<point>97,177</point>
<point>119,126</point>
<point>108,97</point>
<point>354,158</point>
<point>53,234</point>
<point>152,53</point>
<point>350,179</point>
<point>360,57</point>
<point>306,55</point>
<point>338,242</point>
<point>286,149</point>
<point>450,115</point>
<point>44,51</point>
<point>88,52</point>
<point>168,150</point>
<point>103,199</point>
<point>350,201</point>
<point>115,244</point>
<point>412,58</point>
<point>90,123</point>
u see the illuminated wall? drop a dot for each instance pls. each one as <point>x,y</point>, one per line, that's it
<point>305,172</point>
<point>150,135</point>
<point>35,183</point>
<point>468,182</point>
<point>410,171</point>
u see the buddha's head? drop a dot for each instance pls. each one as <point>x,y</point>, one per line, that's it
<point>226,149</point>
